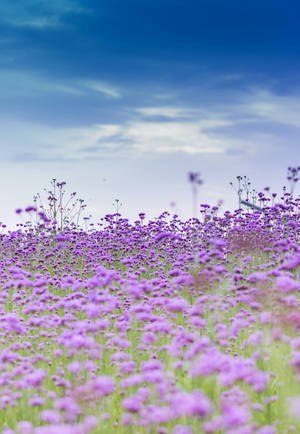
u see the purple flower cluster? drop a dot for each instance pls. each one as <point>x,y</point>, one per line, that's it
<point>165,326</point>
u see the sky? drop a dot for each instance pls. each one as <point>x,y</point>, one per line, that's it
<point>121,99</point>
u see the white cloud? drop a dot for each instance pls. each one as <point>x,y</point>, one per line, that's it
<point>90,136</point>
<point>23,140</point>
<point>195,131</point>
<point>102,87</point>
<point>134,138</point>
<point>266,106</point>
<point>170,112</point>
<point>38,22</point>
<point>21,83</point>
<point>209,119</point>
<point>190,131</point>
<point>27,83</point>
<point>38,13</point>
<point>185,137</point>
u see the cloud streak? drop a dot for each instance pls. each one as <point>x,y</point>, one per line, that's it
<point>264,105</point>
<point>103,88</point>
<point>38,14</point>
<point>30,83</point>
<point>241,126</point>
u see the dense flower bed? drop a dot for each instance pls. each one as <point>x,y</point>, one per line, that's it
<point>158,327</point>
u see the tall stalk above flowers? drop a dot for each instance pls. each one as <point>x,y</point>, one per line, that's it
<point>194,179</point>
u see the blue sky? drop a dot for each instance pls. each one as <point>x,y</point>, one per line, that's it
<point>122,99</point>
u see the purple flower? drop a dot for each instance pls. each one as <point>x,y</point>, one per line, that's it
<point>60,429</point>
<point>103,385</point>
<point>257,407</point>
<point>131,381</point>
<point>36,378</point>
<point>195,404</point>
<point>127,419</point>
<point>30,208</point>
<point>7,430</point>
<point>127,367</point>
<point>70,406</point>
<point>75,367</point>
<point>266,317</point>
<point>14,323</point>
<point>287,284</point>
<point>209,362</point>
<point>91,422</point>
<point>293,262</point>
<point>213,425</point>
<point>255,338</point>
<point>235,415</point>
<point>132,404</point>
<point>149,338</point>
<point>220,269</point>
<point>178,304</point>
<point>157,415</point>
<point>258,277</point>
<point>143,393</point>
<point>120,355</point>
<point>50,416</point>
<point>25,427</point>
<point>295,343</point>
<point>155,376</point>
<point>36,401</point>
<point>62,237</point>
<point>152,365</point>
<point>295,359</point>
<point>162,235</point>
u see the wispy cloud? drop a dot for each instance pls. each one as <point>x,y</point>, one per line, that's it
<point>102,87</point>
<point>38,22</point>
<point>169,112</point>
<point>39,14</point>
<point>27,83</point>
<point>22,83</point>
<point>239,128</point>
<point>229,77</point>
<point>186,137</point>
<point>267,106</point>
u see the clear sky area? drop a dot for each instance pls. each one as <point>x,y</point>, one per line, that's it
<point>121,99</point>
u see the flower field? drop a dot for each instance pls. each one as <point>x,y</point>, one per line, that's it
<point>159,327</point>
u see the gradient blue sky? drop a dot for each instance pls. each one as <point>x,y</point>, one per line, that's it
<point>122,98</point>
